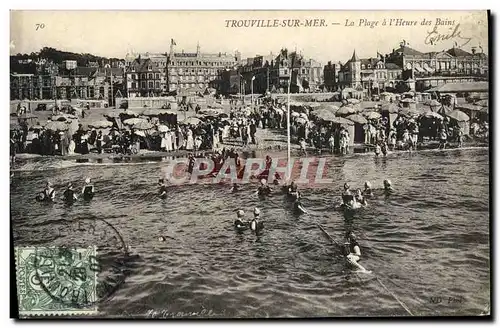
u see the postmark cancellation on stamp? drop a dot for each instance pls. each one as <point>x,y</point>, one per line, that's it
<point>56,281</point>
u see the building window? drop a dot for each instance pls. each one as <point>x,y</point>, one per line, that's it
<point>285,71</point>
<point>303,71</point>
<point>150,76</point>
<point>369,66</point>
<point>157,76</point>
<point>143,76</point>
<point>157,85</point>
<point>150,85</point>
<point>134,85</point>
<point>143,84</point>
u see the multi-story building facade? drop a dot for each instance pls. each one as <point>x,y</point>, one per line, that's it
<point>371,75</point>
<point>32,86</point>
<point>197,70</point>
<point>304,74</point>
<point>432,69</point>
<point>147,77</point>
<point>331,76</point>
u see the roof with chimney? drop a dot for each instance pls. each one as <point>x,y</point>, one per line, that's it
<point>407,51</point>
<point>457,52</point>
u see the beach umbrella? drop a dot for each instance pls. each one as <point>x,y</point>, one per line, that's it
<point>163,128</point>
<point>215,105</point>
<point>83,127</point>
<point>353,101</point>
<point>391,108</point>
<point>409,112</point>
<point>57,126</point>
<point>372,115</point>
<point>444,110</point>
<point>209,112</point>
<point>37,127</point>
<point>27,116</point>
<point>323,114</point>
<point>63,117</point>
<point>15,126</point>
<point>157,112</point>
<point>301,120</point>
<point>342,121</point>
<point>328,107</point>
<point>482,103</point>
<point>313,105</point>
<point>432,103</point>
<point>143,125</point>
<point>134,121</point>
<point>191,121</point>
<point>345,110</point>
<point>356,118</point>
<point>458,115</point>
<point>101,124</point>
<point>121,114</point>
<point>431,114</point>
<point>304,116</point>
<point>112,115</point>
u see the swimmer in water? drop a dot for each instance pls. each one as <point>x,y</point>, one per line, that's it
<point>255,225</point>
<point>161,238</point>
<point>358,197</point>
<point>264,189</point>
<point>239,224</point>
<point>368,189</point>
<point>88,190</point>
<point>277,179</point>
<point>378,149</point>
<point>235,187</point>
<point>347,189</point>
<point>347,198</point>
<point>48,194</point>
<point>352,249</point>
<point>297,206</point>
<point>163,189</point>
<point>293,191</point>
<point>388,186</point>
<point>69,195</point>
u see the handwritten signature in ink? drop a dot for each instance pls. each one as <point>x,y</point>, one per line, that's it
<point>434,37</point>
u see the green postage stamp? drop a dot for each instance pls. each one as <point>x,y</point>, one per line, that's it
<point>56,281</point>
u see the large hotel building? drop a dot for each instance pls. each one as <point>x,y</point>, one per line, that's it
<point>197,70</point>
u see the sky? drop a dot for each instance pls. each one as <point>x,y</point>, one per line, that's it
<point>114,33</point>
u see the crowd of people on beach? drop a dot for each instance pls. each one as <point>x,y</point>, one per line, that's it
<point>211,129</point>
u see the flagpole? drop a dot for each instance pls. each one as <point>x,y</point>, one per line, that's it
<point>288,126</point>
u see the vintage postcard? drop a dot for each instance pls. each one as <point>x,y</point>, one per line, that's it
<point>250,164</point>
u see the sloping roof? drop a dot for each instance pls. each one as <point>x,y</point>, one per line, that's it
<point>409,51</point>
<point>462,87</point>
<point>392,66</point>
<point>141,65</point>
<point>354,57</point>
<point>457,52</point>
<point>88,71</point>
<point>369,61</point>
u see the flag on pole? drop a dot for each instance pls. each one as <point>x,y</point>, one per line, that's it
<point>172,42</point>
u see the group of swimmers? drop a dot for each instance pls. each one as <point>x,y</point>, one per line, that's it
<point>69,195</point>
<point>357,199</point>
